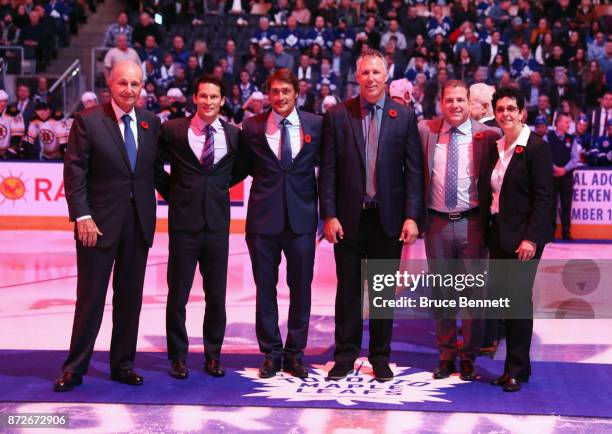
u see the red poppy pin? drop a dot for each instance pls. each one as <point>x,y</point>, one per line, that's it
<point>519,149</point>
<point>144,125</point>
<point>307,138</point>
<point>478,136</point>
<point>392,113</point>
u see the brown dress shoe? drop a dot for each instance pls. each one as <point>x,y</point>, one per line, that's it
<point>213,367</point>
<point>179,370</point>
<point>67,382</point>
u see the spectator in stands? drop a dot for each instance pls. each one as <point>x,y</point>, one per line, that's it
<point>118,54</point>
<point>121,27</point>
<point>230,55</point>
<point>600,153</point>
<point>566,157</point>
<point>152,104</point>
<point>58,12</point>
<point>264,36</point>
<point>605,62</point>
<point>401,91</point>
<point>150,53</point>
<point>41,93</point>
<point>234,104</point>
<point>319,34</point>
<point>481,108</point>
<point>394,31</point>
<point>166,74</point>
<point>470,42</point>
<point>556,59</point>
<point>328,77</point>
<point>540,127</point>
<point>254,105</point>
<point>538,33</point>
<point>345,34</point>
<point>523,66</point>
<point>282,59</point>
<point>568,108</point>
<point>193,70</point>
<point>542,109</point>
<point>498,69</point>
<point>491,48</point>
<point>89,99</point>
<point>560,88</point>
<point>594,84</point>
<point>419,66</point>
<point>347,11</point>
<point>465,66</point>
<point>9,32</point>
<point>412,25</point>
<point>247,87</point>
<point>315,53</point>
<point>291,37</point>
<point>324,91</point>
<point>545,49</point>
<point>178,51</point>
<point>11,129</point>
<point>181,82</point>
<point>21,17</point>
<point>306,71</point>
<point>205,59</point>
<point>368,35</point>
<point>597,48</point>
<point>578,65</point>
<point>35,39</point>
<point>438,23</point>
<point>145,27</point>
<point>301,13</point>
<point>46,137</point>
<point>279,13</point>
<point>305,99</point>
<point>517,29</point>
<point>462,11</point>
<point>327,10</point>
<point>532,89</point>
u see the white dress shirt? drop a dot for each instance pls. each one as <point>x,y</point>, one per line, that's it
<point>467,196</point>
<point>497,177</point>
<point>133,124</point>
<point>273,133</point>
<point>197,138</point>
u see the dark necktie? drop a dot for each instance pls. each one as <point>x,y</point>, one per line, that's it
<point>130,141</point>
<point>452,167</point>
<point>285,154</point>
<point>208,152</point>
<point>372,152</point>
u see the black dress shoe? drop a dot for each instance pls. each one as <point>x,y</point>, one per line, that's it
<point>179,370</point>
<point>382,371</point>
<point>444,370</point>
<point>269,368</point>
<point>127,376</point>
<point>467,371</point>
<point>67,382</point>
<point>500,381</point>
<point>512,385</point>
<point>213,368</point>
<point>295,368</point>
<point>340,370</point>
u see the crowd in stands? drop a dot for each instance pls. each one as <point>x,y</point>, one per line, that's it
<point>558,52</point>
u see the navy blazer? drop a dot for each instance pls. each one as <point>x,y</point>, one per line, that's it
<point>526,195</point>
<point>97,175</point>
<point>278,194</point>
<point>196,196</point>
<point>399,171</point>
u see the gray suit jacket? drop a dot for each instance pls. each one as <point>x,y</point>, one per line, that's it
<point>483,138</point>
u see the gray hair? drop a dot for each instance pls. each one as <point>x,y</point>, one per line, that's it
<point>372,53</point>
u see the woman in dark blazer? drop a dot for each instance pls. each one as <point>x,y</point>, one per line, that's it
<point>516,196</point>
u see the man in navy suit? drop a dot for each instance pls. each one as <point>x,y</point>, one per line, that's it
<point>201,150</point>
<point>109,174</point>
<point>371,189</point>
<point>280,153</point>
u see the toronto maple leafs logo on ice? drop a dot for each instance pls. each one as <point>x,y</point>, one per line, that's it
<point>409,385</point>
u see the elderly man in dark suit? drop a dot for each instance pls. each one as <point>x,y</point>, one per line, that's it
<point>109,173</point>
<point>453,146</point>
<point>201,150</point>
<point>371,189</point>
<point>281,148</point>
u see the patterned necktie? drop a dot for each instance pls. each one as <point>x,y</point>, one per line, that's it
<point>130,141</point>
<point>285,155</point>
<point>372,152</point>
<point>452,167</point>
<point>208,152</point>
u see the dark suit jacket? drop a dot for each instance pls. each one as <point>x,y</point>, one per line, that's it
<point>196,196</point>
<point>278,194</point>
<point>526,196</point>
<point>98,179</point>
<point>342,177</point>
<point>483,138</point>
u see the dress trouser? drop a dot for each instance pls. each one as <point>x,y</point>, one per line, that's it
<point>209,250</point>
<point>265,251</point>
<point>513,278</point>
<point>128,255</point>
<point>563,189</point>
<point>370,242</point>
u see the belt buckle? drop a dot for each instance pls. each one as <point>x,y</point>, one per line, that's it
<point>454,216</point>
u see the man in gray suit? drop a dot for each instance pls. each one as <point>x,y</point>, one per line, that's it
<point>452,148</point>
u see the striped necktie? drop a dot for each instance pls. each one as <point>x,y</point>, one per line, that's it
<point>452,167</point>
<point>208,152</point>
